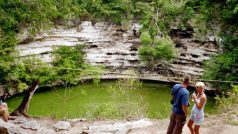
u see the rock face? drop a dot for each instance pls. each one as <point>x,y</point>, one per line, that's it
<point>116,49</point>
<point>221,124</point>
<point>118,128</point>
<point>62,125</point>
<point>31,125</point>
<point>49,126</point>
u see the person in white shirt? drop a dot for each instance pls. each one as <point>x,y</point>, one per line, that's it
<point>4,111</point>
<point>197,114</point>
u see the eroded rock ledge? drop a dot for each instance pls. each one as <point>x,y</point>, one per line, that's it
<point>107,44</point>
<point>116,49</point>
<point>75,126</point>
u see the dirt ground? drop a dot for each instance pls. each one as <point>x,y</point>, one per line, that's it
<point>226,123</point>
<point>212,125</point>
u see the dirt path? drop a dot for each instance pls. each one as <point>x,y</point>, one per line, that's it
<point>226,123</point>
<point>211,126</point>
<point>219,124</point>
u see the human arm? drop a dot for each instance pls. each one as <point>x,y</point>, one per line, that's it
<point>185,103</point>
<point>185,109</point>
<point>202,101</point>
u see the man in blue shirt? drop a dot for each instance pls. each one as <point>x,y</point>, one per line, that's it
<point>180,107</point>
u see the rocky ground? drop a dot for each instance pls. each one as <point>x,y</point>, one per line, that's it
<point>226,123</point>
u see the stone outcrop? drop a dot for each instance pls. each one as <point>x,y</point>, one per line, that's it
<point>116,49</point>
<point>50,126</point>
<point>221,124</point>
<point>118,128</point>
<point>62,125</point>
<point>33,125</point>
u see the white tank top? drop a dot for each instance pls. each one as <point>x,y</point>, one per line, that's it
<point>195,108</point>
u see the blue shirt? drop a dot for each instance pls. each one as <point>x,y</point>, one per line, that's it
<point>181,97</point>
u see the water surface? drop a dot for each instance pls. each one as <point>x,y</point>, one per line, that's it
<point>83,100</point>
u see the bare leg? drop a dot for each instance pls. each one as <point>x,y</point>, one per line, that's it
<point>190,126</point>
<point>5,114</point>
<point>196,129</point>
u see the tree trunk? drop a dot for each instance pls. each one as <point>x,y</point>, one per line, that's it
<point>23,108</point>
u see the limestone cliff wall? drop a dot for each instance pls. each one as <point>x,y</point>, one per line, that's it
<point>116,49</point>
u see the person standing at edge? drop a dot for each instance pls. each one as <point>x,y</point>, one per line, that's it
<point>4,111</point>
<point>180,104</point>
<point>197,115</point>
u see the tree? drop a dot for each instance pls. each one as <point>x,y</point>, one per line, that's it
<point>156,44</point>
<point>68,68</point>
<point>155,50</point>
<point>30,72</point>
<point>220,18</point>
<point>17,73</point>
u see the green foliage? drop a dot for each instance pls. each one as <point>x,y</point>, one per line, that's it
<point>106,111</point>
<point>226,103</point>
<point>164,48</point>
<point>222,67</point>
<point>156,17</point>
<point>147,53</point>
<point>220,19</point>
<point>69,57</point>
<point>70,65</point>
<point>145,38</point>
<point>153,51</point>
<point>33,15</point>
<point>213,14</point>
<point>172,7</point>
<point>126,97</point>
<point>229,42</point>
<point>68,68</point>
<point>116,10</point>
<point>125,101</point>
<point>158,20</point>
<point>22,73</point>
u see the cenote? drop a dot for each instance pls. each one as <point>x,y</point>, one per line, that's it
<point>92,101</point>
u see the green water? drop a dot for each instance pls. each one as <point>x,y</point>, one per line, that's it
<point>82,100</point>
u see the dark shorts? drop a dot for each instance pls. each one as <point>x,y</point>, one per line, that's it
<point>176,123</point>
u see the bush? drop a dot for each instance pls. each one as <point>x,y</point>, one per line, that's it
<point>222,67</point>
<point>227,100</point>
<point>164,48</point>
<point>153,51</point>
<point>129,102</point>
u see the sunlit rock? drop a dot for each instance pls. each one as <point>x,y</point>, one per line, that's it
<point>117,128</point>
<point>33,125</point>
<point>62,125</point>
<point>45,131</point>
<point>20,120</point>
